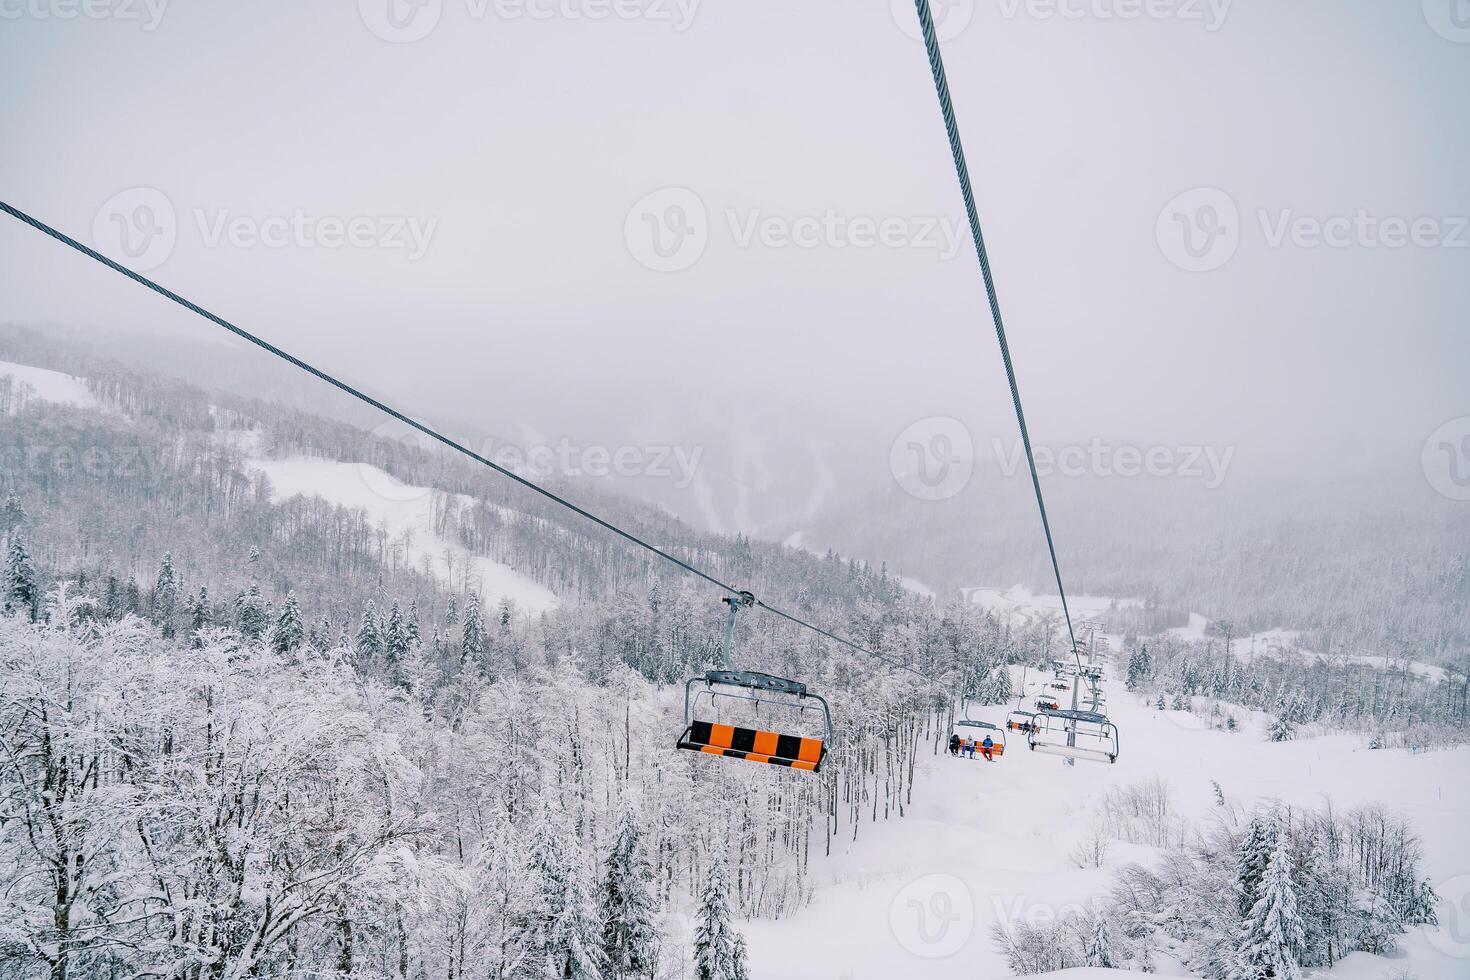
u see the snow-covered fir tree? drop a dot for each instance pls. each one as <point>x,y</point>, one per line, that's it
<point>166,594</point>
<point>368,644</point>
<point>715,938</point>
<point>629,928</point>
<point>1100,944</point>
<point>21,591</point>
<point>472,644</point>
<point>1272,938</point>
<point>563,937</point>
<point>251,614</point>
<point>288,631</point>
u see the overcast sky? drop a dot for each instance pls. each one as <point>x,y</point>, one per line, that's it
<point>797,247</point>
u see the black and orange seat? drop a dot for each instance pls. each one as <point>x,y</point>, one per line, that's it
<point>753,745</point>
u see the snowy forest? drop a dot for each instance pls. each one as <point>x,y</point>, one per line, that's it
<point>246,735</point>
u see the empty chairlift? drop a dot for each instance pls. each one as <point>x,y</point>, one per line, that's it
<point>1074,734</point>
<point>705,732</point>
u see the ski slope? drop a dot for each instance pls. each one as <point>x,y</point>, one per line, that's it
<point>406,513</point>
<point>48,386</point>
<point>985,843</point>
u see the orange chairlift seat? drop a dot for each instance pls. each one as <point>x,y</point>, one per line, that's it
<point>801,752</point>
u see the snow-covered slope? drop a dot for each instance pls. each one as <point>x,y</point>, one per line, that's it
<point>985,843</point>
<point>407,514</point>
<point>48,386</point>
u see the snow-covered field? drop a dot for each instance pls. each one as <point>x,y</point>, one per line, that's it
<point>1022,603</point>
<point>407,514</point>
<point>49,386</point>
<point>986,843</point>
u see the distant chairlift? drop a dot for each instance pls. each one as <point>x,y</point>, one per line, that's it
<point>791,698</point>
<point>1074,734</point>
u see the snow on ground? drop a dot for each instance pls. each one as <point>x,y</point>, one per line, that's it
<point>1025,604</point>
<point>49,386</point>
<point>918,898</point>
<point>1284,642</point>
<point>405,512</point>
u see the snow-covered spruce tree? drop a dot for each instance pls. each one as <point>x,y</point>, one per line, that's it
<point>1282,729</point>
<point>1140,665</point>
<point>395,643</point>
<point>11,513</point>
<point>715,938</point>
<point>288,631</point>
<point>473,642</point>
<point>21,591</point>
<point>368,643</point>
<point>1272,937</point>
<point>166,595</point>
<point>562,934</point>
<point>1100,944</point>
<point>1252,859</point>
<point>629,933</point>
<point>251,616</point>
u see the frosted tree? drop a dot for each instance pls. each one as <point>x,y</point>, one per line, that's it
<point>473,642</point>
<point>1252,859</point>
<point>413,627</point>
<point>369,641</point>
<point>715,938</point>
<point>1283,729</point>
<point>289,630</point>
<point>1100,944</point>
<point>562,935</point>
<point>1272,938</point>
<point>21,591</point>
<point>166,594</point>
<point>11,513</point>
<point>629,933</point>
<point>395,643</point>
<point>251,615</point>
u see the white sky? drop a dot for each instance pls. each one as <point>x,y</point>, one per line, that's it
<point>527,140</point>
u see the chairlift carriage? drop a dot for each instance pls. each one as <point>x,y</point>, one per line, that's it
<point>1074,735</point>
<point>973,734</point>
<point>704,732</point>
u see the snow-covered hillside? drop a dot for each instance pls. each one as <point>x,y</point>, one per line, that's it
<point>987,843</point>
<point>46,386</point>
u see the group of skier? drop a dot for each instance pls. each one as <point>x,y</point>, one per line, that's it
<point>968,747</point>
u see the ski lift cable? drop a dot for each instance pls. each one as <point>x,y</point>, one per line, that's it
<point>439,437</point>
<point>962,170</point>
